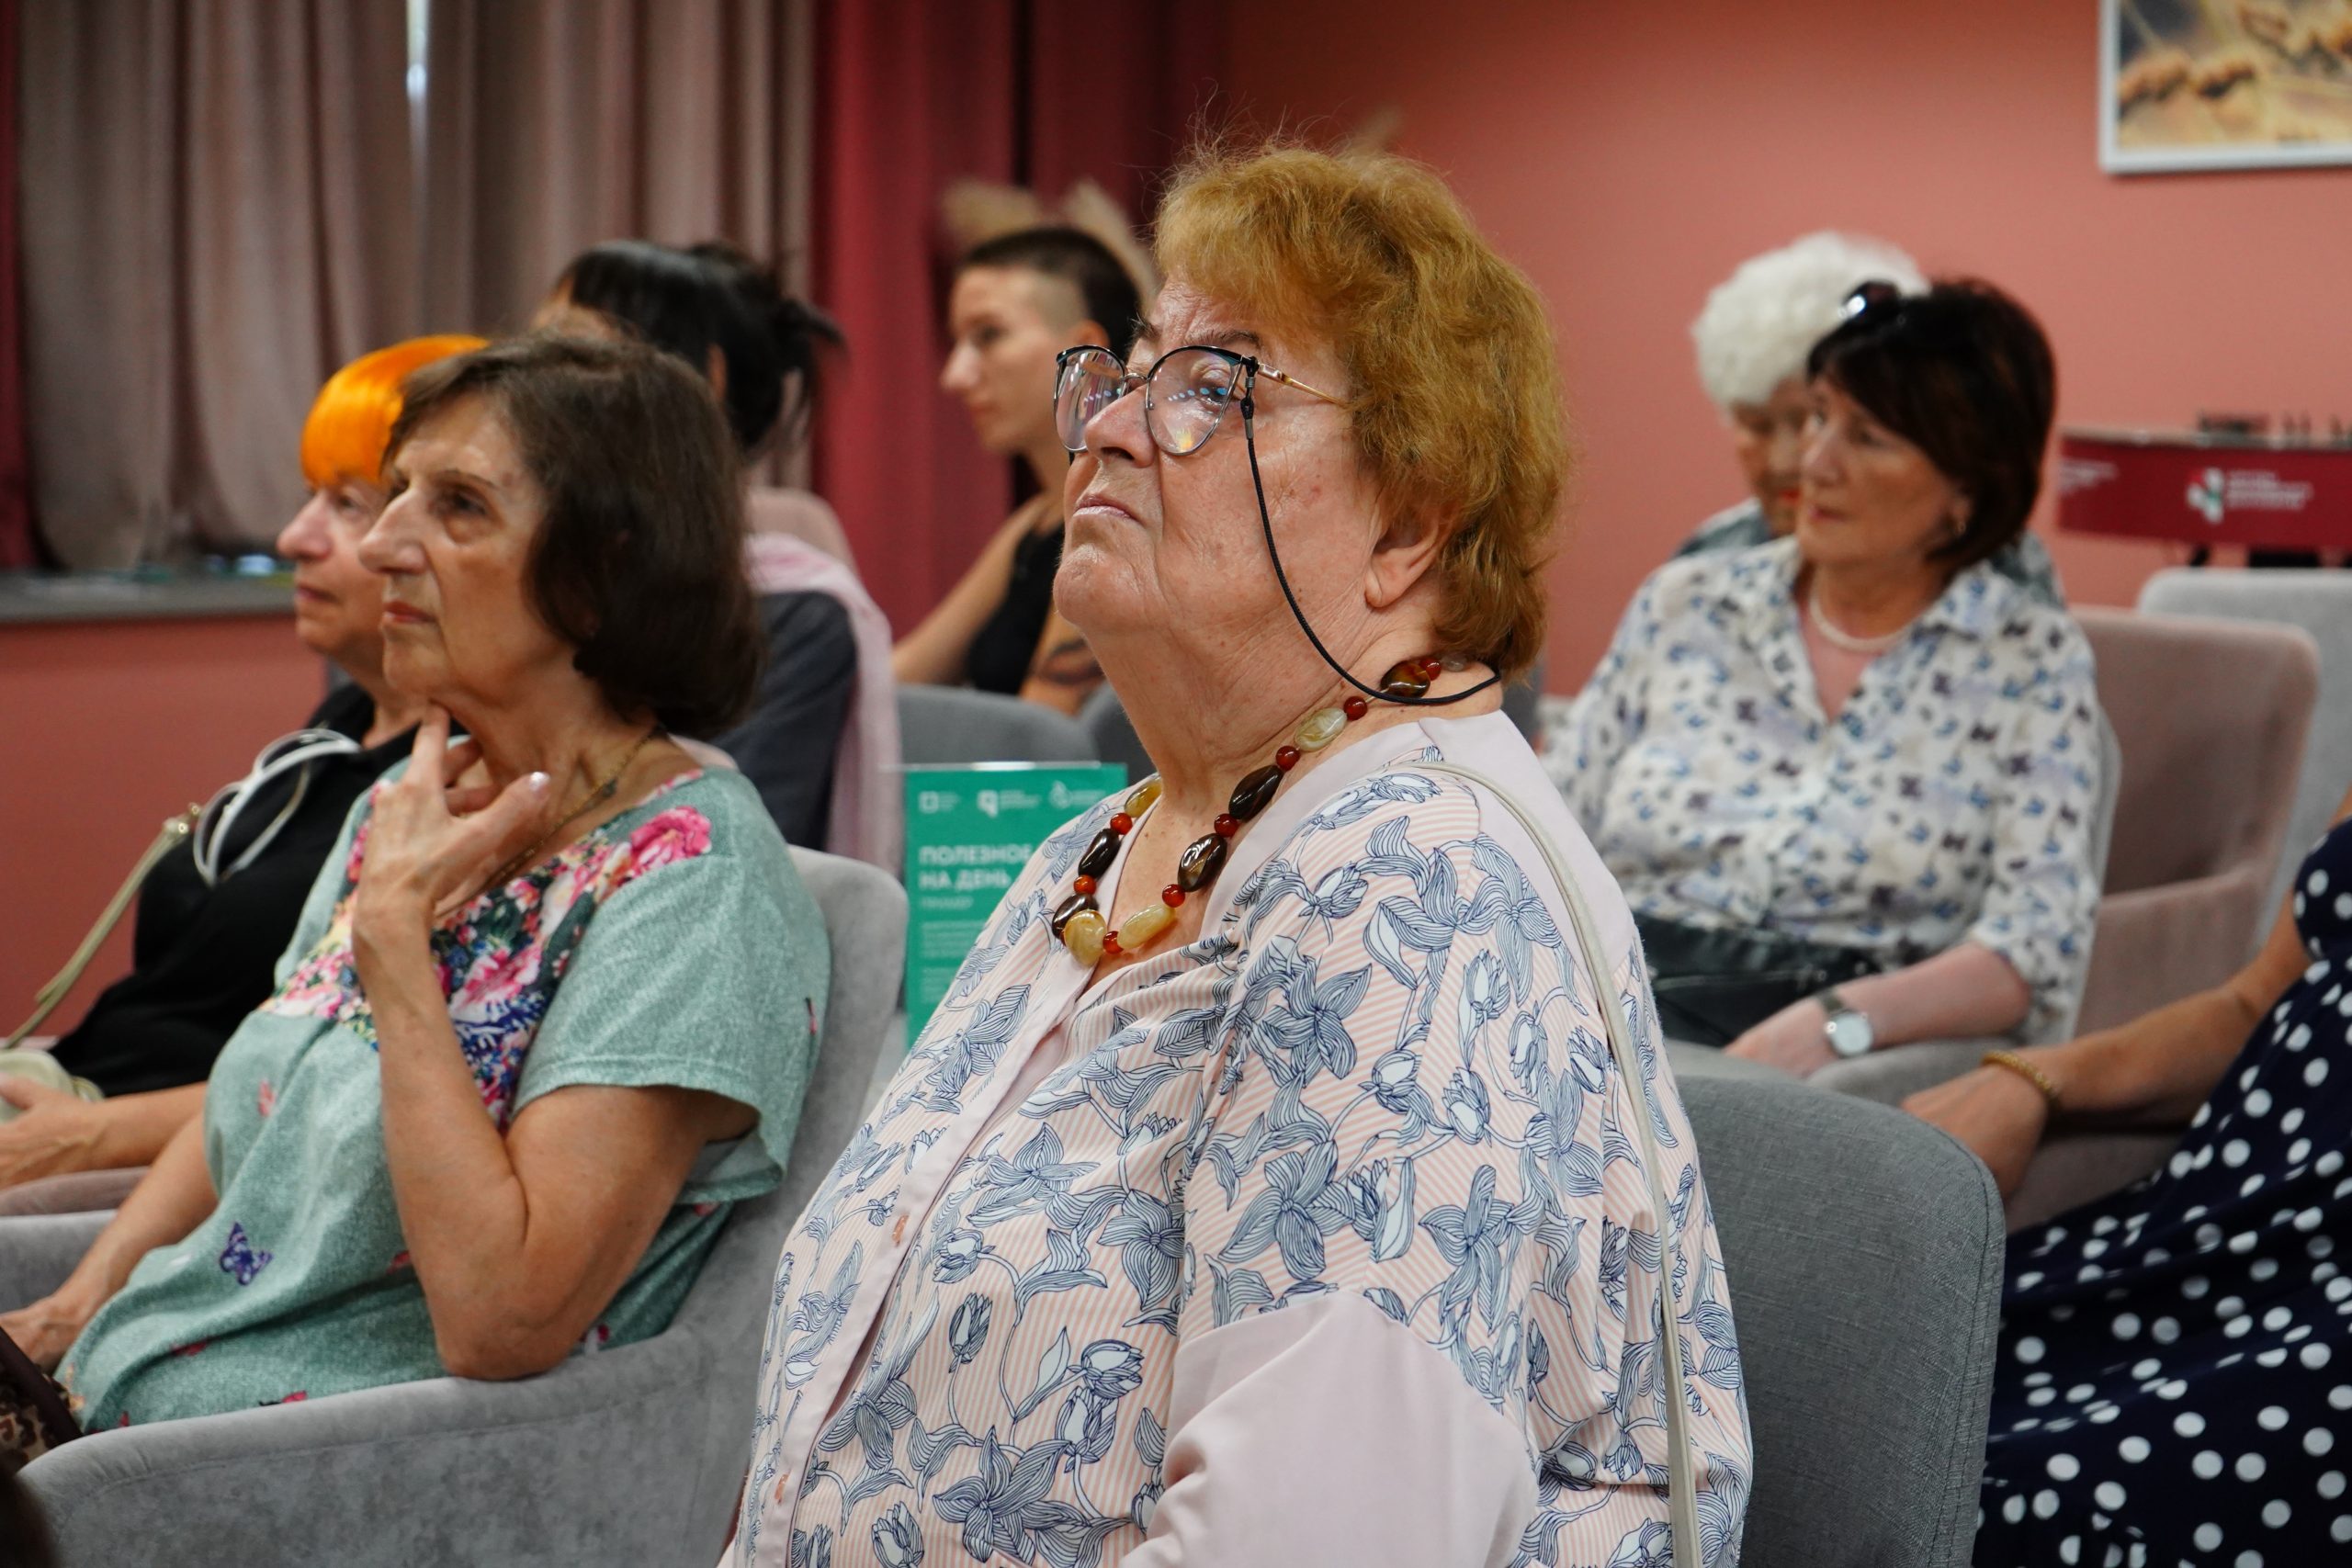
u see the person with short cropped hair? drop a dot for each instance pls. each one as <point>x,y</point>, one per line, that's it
<point>1019,299</point>
<point>1848,777</point>
<point>1291,1175</point>
<point>554,998</point>
<point>215,912</point>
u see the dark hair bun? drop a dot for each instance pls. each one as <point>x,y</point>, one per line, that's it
<point>689,301</point>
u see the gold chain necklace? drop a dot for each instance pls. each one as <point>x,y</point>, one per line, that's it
<point>596,797</point>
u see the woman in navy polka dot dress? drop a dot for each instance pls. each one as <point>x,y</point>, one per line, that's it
<point>2174,1380</point>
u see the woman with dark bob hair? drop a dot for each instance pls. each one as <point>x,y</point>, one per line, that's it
<point>762,350</point>
<point>550,1008</point>
<point>1290,1174</point>
<point>1847,778</point>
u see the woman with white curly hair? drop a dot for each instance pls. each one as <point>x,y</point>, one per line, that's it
<point>1752,337</point>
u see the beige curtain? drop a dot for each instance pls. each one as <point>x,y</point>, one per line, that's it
<point>553,124</point>
<point>218,211</point>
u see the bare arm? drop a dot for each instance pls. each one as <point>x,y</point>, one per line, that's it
<point>934,653</point>
<point>2157,1070</point>
<point>518,1239</point>
<point>56,1132</point>
<point>2152,1072</point>
<point>170,1201</point>
<point>1963,991</point>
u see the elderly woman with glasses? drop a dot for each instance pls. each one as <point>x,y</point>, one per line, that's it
<point>1268,1190</point>
<point>1848,777</point>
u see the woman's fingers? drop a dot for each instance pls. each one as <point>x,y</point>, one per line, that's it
<point>432,742</point>
<point>458,759</point>
<point>42,1331</point>
<point>505,826</point>
<point>467,799</point>
<point>24,1093</point>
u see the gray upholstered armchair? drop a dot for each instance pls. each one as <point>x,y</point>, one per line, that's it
<point>1865,1280</point>
<point>2211,718</point>
<point>945,726</point>
<point>631,1456</point>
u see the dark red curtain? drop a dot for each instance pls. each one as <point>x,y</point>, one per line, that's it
<point>911,96</point>
<point>15,490</point>
<point>1116,91</point>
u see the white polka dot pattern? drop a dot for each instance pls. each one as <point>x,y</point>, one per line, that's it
<point>2200,1312</point>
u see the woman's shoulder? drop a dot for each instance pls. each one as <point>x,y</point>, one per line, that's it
<point>721,797</point>
<point>699,853</point>
<point>2020,625</point>
<point>711,817</point>
<point>1472,796</point>
<point>1704,578</point>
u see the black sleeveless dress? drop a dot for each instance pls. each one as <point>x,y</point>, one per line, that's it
<point>1006,644</point>
<point>2174,1380</point>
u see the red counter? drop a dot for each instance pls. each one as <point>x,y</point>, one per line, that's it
<point>2206,489</point>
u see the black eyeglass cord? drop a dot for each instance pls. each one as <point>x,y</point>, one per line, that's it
<point>1266,521</point>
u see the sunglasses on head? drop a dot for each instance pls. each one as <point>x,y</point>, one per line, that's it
<point>1872,295</point>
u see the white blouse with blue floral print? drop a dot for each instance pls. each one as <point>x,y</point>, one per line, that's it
<point>1951,801</point>
<point>1319,1239</point>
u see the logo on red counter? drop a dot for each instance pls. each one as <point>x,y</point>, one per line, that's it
<point>2205,496</point>
<point>2217,492</point>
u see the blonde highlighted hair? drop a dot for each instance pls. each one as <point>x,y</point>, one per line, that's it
<point>350,419</point>
<point>1456,406</point>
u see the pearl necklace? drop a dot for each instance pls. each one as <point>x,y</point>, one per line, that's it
<point>1079,923</point>
<point>1837,637</point>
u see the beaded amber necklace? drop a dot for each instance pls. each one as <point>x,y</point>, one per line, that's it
<point>1079,922</point>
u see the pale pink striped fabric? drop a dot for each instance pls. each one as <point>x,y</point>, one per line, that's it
<point>1322,1240</point>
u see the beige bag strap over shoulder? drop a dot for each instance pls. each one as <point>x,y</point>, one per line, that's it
<point>1682,1486</point>
<point>46,999</point>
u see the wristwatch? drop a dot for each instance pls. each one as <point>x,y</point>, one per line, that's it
<point>1848,1030</point>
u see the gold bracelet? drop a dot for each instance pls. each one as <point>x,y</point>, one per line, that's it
<point>2025,1070</point>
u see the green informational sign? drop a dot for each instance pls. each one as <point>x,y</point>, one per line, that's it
<point>969,831</point>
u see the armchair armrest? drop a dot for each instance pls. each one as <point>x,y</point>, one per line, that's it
<point>1893,1075</point>
<point>36,1251</point>
<point>579,1465</point>
<point>75,1192</point>
<point>2073,1166</point>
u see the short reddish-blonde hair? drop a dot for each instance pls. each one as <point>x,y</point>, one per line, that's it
<point>1456,409</point>
<point>350,419</point>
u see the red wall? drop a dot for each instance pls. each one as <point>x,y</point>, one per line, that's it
<point>105,729</point>
<point>1630,154</point>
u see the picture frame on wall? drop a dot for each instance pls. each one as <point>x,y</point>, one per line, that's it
<point>2224,84</point>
